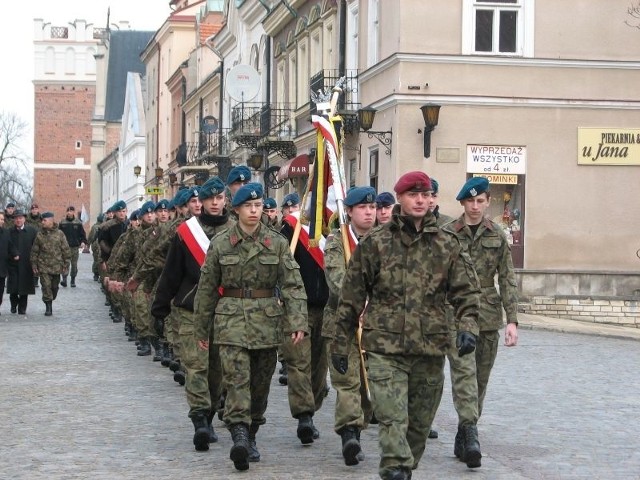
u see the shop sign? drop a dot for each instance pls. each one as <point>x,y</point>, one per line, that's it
<point>154,191</point>
<point>497,159</point>
<point>497,178</point>
<point>608,146</point>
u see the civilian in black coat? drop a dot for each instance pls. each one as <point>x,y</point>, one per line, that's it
<point>20,282</point>
<point>7,252</point>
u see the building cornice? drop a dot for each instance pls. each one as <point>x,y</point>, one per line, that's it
<point>399,58</point>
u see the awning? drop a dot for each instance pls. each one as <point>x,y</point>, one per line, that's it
<point>296,167</point>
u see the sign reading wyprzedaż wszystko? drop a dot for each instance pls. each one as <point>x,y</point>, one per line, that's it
<point>510,159</point>
<point>608,146</point>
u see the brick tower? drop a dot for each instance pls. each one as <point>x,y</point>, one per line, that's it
<point>64,88</point>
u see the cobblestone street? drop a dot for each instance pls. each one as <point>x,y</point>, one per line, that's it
<point>76,402</point>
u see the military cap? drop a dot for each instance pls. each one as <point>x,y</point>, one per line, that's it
<point>119,205</point>
<point>269,203</point>
<point>385,199</point>
<point>473,187</point>
<point>413,181</point>
<point>250,191</point>
<point>178,198</point>
<point>100,217</point>
<point>211,188</point>
<point>71,208</point>
<point>134,215</point>
<point>19,213</point>
<point>358,195</point>
<point>192,192</point>
<point>164,203</point>
<point>11,205</point>
<point>239,173</point>
<point>34,205</point>
<point>290,200</point>
<point>435,186</point>
<point>47,215</point>
<point>147,207</point>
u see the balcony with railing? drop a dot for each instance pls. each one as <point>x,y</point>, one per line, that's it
<point>348,103</point>
<point>264,127</point>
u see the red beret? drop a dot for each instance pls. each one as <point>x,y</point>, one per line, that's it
<point>414,181</point>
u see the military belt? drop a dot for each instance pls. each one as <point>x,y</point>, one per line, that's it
<point>487,283</point>
<point>249,293</point>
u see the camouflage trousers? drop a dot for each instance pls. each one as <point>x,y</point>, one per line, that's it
<point>307,367</point>
<point>172,332</point>
<point>75,253</point>
<point>95,266</point>
<point>142,314</point>
<point>486,352</point>
<point>246,376</point>
<point>405,393</point>
<point>204,372</point>
<point>464,385</point>
<point>353,408</point>
<point>49,283</point>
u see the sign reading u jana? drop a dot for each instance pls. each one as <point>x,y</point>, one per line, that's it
<point>608,146</point>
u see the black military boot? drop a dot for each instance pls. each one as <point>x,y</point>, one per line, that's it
<point>157,348</point>
<point>458,443</point>
<point>254,454</point>
<point>48,308</point>
<point>180,376</point>
<point>350,445</point>
<point>471,450</point>
<point>305,429</point>
<point>63,282</point>
<point>73,282</point>
<point>201,436</point>
<point>213,436</point>
<point>133,334</point>
<point>360,455</point>
<point>240,451</point>
<point>168,355</point>
<point>174,365</point>
<point>284,374</point>
<point>433,434</point>
<point>96,277</point>
<point>145,347</point>
<point>399,474</point>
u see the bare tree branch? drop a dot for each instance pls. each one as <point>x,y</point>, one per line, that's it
<point>15,183</point>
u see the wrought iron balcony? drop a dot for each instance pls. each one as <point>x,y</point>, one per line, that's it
<point>208,150</point>
<point>348,104</point>
<point>264,128</point>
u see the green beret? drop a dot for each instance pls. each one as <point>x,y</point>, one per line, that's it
<point>47,215</point>
<point>147,207</point>
<point>473,187</point>
<point>269,203</point>
<point>435,186</point>
<point>250,191</point>
<point>385,199</point>
<point>358,195</point>
<point>162,204</point>
<point>119,205</point>
<point>211,188</point>
<point>134,215</point>
<point>290,200</point>
<point>239,173</point>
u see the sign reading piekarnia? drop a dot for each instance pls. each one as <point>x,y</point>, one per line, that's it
<point>608,146</point>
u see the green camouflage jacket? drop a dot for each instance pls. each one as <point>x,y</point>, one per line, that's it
<point>407,275</point>
<point>236,260</point>
<point>154,254</point>
<point>334,270</point>
<point>119,267</point>
<point>50,253</point>
<point>490,254</point>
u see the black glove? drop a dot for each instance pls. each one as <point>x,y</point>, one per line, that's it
<point>340,363</point>
<point>158,324</point>
<point>465,343</point>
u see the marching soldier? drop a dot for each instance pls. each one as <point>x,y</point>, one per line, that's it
<point>76,237</point>
<point>490,253</point>
<point>50,257</point>
<point>402,273</point>
<point>177,285</point>
<point>248,270</point>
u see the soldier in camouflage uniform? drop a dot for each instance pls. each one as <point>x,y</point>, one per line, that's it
<point>35,220</point>
<point>384,207</point>
<point>76,237</point>
<point>50,257</point>
<point>238,305</point>
<point>490,253</point>
<point>238,176</point>
<point>402,273</point>
<point>177,285</point>
<point>95,248</point>
<point>353,408</point>
<point>9,215</point>
<point>270,210</point>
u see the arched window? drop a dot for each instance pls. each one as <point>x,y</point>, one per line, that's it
<point>79,183</point>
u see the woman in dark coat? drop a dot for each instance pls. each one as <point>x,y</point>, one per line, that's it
<point>20,282</point>
<point>7,252</point>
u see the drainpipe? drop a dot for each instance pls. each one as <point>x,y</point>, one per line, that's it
<point>342,41</point>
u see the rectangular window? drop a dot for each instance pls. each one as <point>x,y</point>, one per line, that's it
<point>498,27</point>
<point>352,173</point>
<point>373,168</point>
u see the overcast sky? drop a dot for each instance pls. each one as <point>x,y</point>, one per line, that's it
<point>16,41</point>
